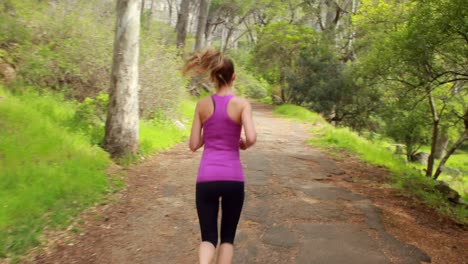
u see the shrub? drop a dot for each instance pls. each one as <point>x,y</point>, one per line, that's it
<point>48,172</point>
<point>249,86</point>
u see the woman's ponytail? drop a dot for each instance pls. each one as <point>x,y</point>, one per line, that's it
<point>210,62</point>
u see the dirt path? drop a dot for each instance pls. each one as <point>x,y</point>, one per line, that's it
<point>293,212</point>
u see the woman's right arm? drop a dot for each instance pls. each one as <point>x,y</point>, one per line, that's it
<point>196,138</point>
<point>249,128</point>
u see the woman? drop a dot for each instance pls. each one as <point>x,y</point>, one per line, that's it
<point>217,124</point>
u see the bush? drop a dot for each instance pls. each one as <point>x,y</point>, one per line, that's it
<point>48,171</point>
<point>299,113</point>
<point>72,52</point>
<point>162,84</point>
<point>249,86</point>
<point>90,118</point>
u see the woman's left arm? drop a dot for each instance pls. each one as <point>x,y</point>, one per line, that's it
<point>196,138</point>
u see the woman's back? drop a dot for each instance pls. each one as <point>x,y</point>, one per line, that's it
<point>222,123</point>
<point>217,124</point>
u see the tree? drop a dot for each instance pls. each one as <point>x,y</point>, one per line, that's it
<point>276,50</point>
<point>229,15</point>
<point>182,22</point>
<point>202,18</point>
<point>122,131</point>
<point>463,137</point>
<point>322,83</point>
<point>405,121</point>
<point>425,56</point>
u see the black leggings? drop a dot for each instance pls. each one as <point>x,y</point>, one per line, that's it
<point>207,200</point>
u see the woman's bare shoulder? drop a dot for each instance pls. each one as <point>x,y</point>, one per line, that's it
<point>241,101</point>
<point>204,102</point>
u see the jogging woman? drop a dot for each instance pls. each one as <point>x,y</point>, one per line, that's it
<point>217,125</point>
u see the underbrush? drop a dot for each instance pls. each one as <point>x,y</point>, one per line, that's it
<point>52,165</point>
<point>161,134</point>
<point>52,118</point>
<point>49,172</point>
<point>405,175</point>
<point>299,113</point>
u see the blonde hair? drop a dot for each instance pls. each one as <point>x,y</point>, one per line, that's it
<point>212,62</point>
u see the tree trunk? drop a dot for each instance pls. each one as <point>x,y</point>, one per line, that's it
<point>410,149</point>
<point>211,25</point>
<point>328,14</point>
<point>202,18</point>
<point>122,132</point>
<point>169,2</point>
<point>151,11</point>
<point>142,8</point>
<point>459,142</point>
<point>435,132</point>
<point>252,39</point>
<point>282,87</point>
<point>209,34</point>
<point>223,34</point>
<point>441,146</point>
<point>228,36</point>
<point>181,26</point>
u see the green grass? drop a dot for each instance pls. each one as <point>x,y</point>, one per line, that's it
<point>157,135</point>
<point>405,176</point>
<point>372,152</point>
<point>48,172</point>
<point>458,161</point>
<point>299,113</point>
<point>265,100</point>
<point>49,168</point>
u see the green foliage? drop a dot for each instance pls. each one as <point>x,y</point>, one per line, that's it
<point>160,31</point>
<point>458,161</point>
<point>49,172</point>
<point>407,122</point>
<point>11,31</point>
<point>299,113</point>
<point>417,51</point>
<point>266,100</point>
<point>51,165</point>
<point>72,52</point>
<point>249,86</point>
<point>317,73</point>
<point>293,11</point>
<point>322,83</point>
<point>285,41</point>
<point>90,117</point>
<point>74,49</point>
<point>241,58</point>
<point>187,109</point>
<point>162,84</point>
<point>455,173</point>
<point>161,133</point>
<point>310,72</point>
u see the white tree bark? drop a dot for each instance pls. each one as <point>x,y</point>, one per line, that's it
<point>202,18</point>
<point>122,131</point>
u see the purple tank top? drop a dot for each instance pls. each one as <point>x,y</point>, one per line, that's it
<point>220,160</point>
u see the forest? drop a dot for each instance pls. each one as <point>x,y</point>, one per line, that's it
<point>390,73</point>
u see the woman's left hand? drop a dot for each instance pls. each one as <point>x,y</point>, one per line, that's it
<point>242,144</point>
